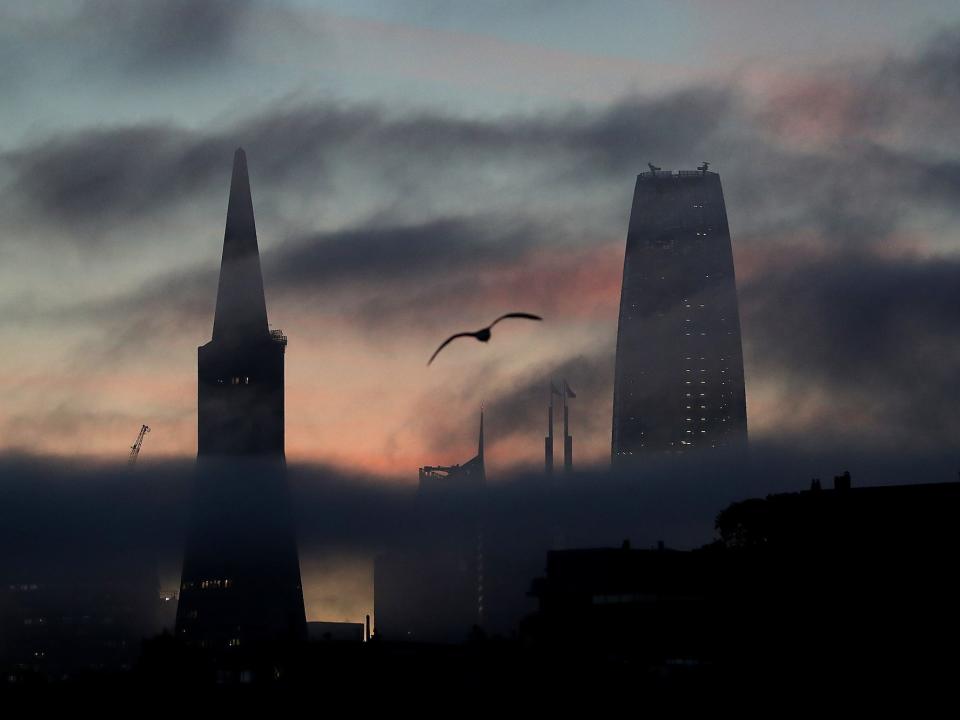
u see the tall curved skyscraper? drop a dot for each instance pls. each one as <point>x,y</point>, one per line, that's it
<point>679,370</point>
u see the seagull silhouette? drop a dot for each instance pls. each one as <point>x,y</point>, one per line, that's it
<point>483,335</point>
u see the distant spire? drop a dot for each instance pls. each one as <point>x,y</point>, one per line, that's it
<point>241,309</point>
<point>480,448</point>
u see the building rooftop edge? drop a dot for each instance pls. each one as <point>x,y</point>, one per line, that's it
<point>676,174</point>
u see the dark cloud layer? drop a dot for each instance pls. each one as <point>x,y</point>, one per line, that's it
<point>151,38</point>
<point>399,254</point>
<point>58,520</point>
<point>96,179</point>
<point>880,336</point>
<point>851,184</point>
<point>50,506</point>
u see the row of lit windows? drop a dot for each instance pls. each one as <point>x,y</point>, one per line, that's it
<point>207,584</point>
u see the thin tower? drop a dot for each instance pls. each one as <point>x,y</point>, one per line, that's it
<point>568,393</point>
<point>548,440</point>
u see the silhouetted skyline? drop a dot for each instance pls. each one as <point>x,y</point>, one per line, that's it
<point>423,170</point>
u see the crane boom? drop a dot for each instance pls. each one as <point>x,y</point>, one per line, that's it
<point>135,448</point>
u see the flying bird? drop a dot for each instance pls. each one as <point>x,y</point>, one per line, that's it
<point>483,335</point>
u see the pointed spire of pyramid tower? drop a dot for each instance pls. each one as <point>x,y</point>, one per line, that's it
<point>241,309</point>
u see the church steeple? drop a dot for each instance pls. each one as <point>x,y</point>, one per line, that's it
<point>241,309</point>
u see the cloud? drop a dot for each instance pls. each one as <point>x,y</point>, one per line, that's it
<point>97,179</point>
<point>394,255</point>
<point>153,38</point>
<point>94,180</point>
<point>60,520</point>
<point>875,336</point>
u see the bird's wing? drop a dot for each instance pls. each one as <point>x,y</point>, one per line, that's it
<point>447,342</point>
<point>525,316</point>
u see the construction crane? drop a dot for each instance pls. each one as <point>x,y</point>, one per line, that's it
<point>135,448</point>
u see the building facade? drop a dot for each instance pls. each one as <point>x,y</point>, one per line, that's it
<point>433,589</point>
<point>679,382</point>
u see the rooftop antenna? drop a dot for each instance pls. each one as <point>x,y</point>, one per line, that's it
<point>653,168</point>
<point>135,448</point>
<point>567,437</point>
<point>704,166</point>
<point>548,440</point>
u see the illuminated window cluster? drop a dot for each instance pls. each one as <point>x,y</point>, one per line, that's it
<point>217,583</point>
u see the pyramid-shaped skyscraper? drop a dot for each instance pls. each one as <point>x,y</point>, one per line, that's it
<point>240,585</point>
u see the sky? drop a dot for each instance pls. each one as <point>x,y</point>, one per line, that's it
<point>419,168</point>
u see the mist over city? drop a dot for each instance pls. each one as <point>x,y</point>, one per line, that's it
<point>257,427</point>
